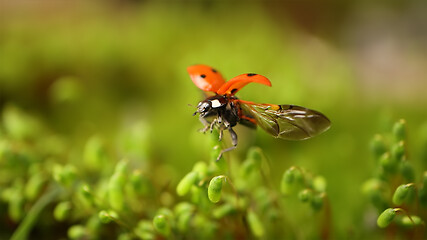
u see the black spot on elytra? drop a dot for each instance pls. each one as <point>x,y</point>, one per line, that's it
<point>234,91</point>
<point>213,70</point>
<point>203,76</point>
<point>251,74</point>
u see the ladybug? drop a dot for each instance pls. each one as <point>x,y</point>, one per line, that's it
<point>224,110</point>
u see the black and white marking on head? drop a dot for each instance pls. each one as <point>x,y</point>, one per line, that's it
<point>215,103</point>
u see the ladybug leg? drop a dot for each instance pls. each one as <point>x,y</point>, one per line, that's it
<point>208,125</point>
<point>233,141</point>
<point>213,124</point>
<point>205,123</point>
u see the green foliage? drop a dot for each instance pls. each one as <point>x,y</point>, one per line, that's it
<point>390,189</point>
<point>97,140</point>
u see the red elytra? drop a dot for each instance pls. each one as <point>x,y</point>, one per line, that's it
<point>210,80</point>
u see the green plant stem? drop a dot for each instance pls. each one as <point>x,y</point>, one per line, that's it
<point>233,188</point>
<point>327,223</point>
<point>27,224</point>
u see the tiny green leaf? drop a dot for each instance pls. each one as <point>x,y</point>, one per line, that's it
<point>183,221</point>
<point>94,152</point>
<point>388,163</point>
<point>255,153</point>
<point>407,171</point>
<point>386,217</point>
<point>398,151</point>
<point>185,184</point>
<point>34,186</point>
<point>223,210</point>
<point>77,232</point>
<point>145,230</point>
<point>255,224</point>
<point>115,191</point>
<point>411,222</point>
<point>201,168</point>
<point>317,201</point>
<point>64,175</point>
<point>104,217</point>
<point>62,211</point>
<point>183,207</point>
<point>121,167</point>
<point>305,195</point>
<point>289,178</point>
<point>16,206</point>
<point>399,131</point>
<point>422,193</point>
<point>319,184</point>
<point>161,224</point>
<point>289,175</point>
<point>215,188</point>
<point>378,146</point>
<point>401,193</point>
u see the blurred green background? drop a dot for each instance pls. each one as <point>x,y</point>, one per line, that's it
<point>117,70</point>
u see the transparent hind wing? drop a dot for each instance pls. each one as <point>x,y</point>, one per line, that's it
<point>287,121</point>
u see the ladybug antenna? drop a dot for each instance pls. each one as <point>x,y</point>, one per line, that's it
<point>191,105</point>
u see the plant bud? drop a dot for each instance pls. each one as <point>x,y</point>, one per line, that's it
<point>386,217</point>
<point>62,211</point>
<point>115,191</point>
<point>16,206</point>
<point>378,146</point>
<point>107,216</point>
<point>305,195</point>
<point>183,221</point>
<point>201,168</point>
<point>398,151</point>
<point>215,188</point>
<point>422,193</point>
<point>161,224</point>
<point>139,184</point>
<point>317,201</point>
<point>94,154</point>
<point>185,184</point>
<point>34,186</point>
<point>399,131</point>
<point>401,193</point>
<point>64,175</point>
<point>77,232</point>
<point>407,171</point>
<point>288,178</point>
<point>223,210</point>
<point>86,193</point>
<point>388,163</point>
<point>144,230</point>
<point>255,153</point>
<point>410,222</point>
<point>319,184</point>
<point>183,207</point>
<point>121,167</point>
<point>255,224</point>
